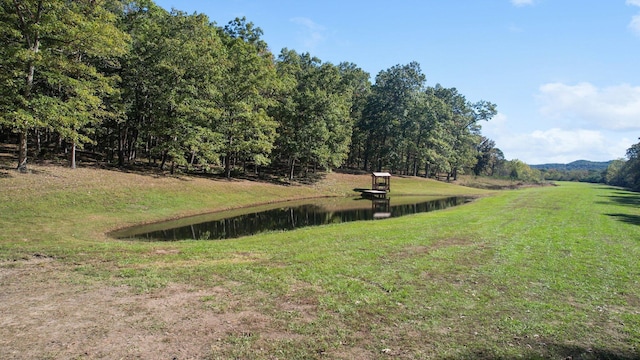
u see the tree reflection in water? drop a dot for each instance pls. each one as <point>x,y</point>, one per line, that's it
<point>287,218</point>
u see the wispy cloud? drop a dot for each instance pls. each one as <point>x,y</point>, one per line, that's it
<point>612,108</point>
<point>311,34</point>
<point>520,3</point>
<point>634,25</point>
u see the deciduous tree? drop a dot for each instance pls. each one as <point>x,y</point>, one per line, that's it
<point>50,51</point>
<point>248,89</point>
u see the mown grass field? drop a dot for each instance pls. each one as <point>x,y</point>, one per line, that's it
<point>547,272</point>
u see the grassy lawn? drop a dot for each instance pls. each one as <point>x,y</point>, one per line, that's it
<point>547,272</point>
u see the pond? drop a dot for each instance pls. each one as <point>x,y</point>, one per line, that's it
<point>285,216</point>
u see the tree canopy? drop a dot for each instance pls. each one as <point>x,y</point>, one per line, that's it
<point>623,172</point>
<point>131,82</point>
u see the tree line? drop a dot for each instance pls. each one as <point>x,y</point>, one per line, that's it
<point>621,172</point>
<point>625,172</point>
<point>131,82</point>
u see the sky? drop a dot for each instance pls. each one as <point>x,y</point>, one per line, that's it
<point>564,74</point>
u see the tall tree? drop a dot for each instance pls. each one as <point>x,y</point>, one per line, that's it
<point>50,50</point>
<point>248,90</point>
<point>386,112</point>
<point>172,82</point>
<point>359,83</point>
<point>488,157</point>
<point>432,150</point>
<point>315,123</point>
<point>143,21</point>
<point>631,168</point>
<point>464,127</point>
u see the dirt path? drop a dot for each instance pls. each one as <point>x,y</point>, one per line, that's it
<point>47,316</point>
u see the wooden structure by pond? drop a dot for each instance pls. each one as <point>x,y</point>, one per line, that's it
<point>380,185</point>
<point>381,181</point>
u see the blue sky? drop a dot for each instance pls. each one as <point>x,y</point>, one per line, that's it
<point>565,74</point>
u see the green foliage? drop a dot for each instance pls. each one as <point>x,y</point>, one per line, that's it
<point>171,82</point>
<point>613,174</point>
<point>631,169</point>
<point>489,158</point>
<point>51,52</point>
<point>315,123</point>
<point>406,127</point>
<point>517,170</point>
<point>625,173</point>
<point>249,87</point>
<point>133,81</point>
<point>386,116</point>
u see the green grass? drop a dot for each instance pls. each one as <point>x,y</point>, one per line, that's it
<point>545,272</point>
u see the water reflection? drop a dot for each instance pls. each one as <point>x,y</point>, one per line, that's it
<point>286,216</point>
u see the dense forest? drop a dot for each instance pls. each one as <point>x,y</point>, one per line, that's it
<point>129,83</point>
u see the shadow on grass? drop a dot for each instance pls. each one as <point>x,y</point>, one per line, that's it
<point>629,219</point>
<point>5,172</point>
<point>626,199</point>
<point>622,197</point>
<point>554,351</point>
<point>153,170</point>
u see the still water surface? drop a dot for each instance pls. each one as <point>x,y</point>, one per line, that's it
<point>285,216</point>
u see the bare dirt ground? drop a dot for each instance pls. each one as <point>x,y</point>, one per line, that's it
<point>60,319</point>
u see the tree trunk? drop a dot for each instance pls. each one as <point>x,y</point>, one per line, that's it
<point>22,151</point>
<point>33,40</point>
<point>367,153</point>
<point>164,159</point>
<point>227,165</point>
<point>38,142</point>
<point>228,158</point>
<point>131,146</point>
<point>292,167</point>
<point>73,155</point>
<point>407,163</point>
<point>122,133</point>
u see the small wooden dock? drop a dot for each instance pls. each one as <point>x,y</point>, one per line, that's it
<point>381,181</point>
<point>380,186</point>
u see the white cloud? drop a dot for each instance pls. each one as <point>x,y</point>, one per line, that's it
<point>614,108</point>
<point>530,2</point>
<point>563,146</point>
<point>562,143</point>
<point>554,144</point>
<point>312,34</point>
<point>634,25</point>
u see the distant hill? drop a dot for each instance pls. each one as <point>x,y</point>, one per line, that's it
<point>576,165</point>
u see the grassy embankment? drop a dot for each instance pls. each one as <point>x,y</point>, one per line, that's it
<point>540,272</point>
